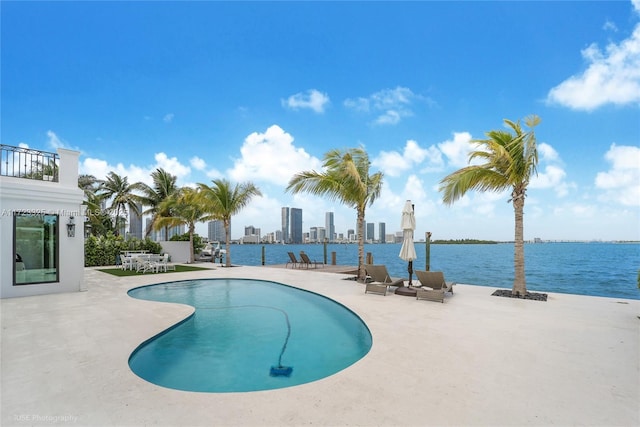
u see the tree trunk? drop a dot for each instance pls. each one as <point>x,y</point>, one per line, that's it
<point>361,271</point>
<point>519,282</point>
<point>227,232</point>
<point>191,231</point>
<point>116,227</point>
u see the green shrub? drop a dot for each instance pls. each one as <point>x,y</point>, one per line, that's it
<point>105,250</point>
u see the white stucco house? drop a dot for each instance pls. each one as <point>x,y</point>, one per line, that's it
<point>41,222</point>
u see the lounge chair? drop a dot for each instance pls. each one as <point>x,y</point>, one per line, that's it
<point>292,260</point>
<point>433,286</point>
<point>305,260</point>
<point>380,279</point>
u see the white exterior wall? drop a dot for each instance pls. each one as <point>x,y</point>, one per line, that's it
<point>179,251</point>
<point>63,198</point>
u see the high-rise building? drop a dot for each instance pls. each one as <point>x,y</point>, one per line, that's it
<point>296,226</point>
<point>313,234</point>
<point>370,232</point>
<point>329,226</point>
<point>351,235</point>
<point>250,230</point>
<point>160,235</point>
<point>216,231</point>
<point>382,231</point>
<point>176,231</point>
<point>135,222</point>
<point>322,234</point>
<point>147,226</point>
<point>285,225</point>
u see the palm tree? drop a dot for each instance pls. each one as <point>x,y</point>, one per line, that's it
<point>164,185</point>
<point>222,201</point>
<point>183,207</point>
<point>510,159</point>
<point>90,185</point>
<point>121,193</point>
<point>346,178</point>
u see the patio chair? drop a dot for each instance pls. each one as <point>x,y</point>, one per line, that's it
<point>306,261</point>
<point>292,260</point>
<point>161,265</point>
<point>433,286</point>
<point>145,263</point>
<point>380,279</point>
<point>126,262</point>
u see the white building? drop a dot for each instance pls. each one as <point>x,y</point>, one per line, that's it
<point>41,222</point>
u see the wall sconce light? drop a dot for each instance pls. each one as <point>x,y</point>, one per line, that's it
<point>71,227</point>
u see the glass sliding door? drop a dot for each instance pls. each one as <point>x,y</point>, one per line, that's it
<point>36,248</point>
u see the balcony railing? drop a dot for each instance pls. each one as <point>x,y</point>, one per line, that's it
<point>28,163</point>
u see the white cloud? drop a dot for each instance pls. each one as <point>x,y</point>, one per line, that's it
<point>56,142</point>
<point>271,157</point>
<point>611,77</point>
<point>311,99</point>
<point>610,26</point>
<point>389,117</point>
<point>393,163</point>
<point>200,165</point>
<point>414,191</point>
<point>171,165</point>
<point>621,183</point>
<point>457,149</point>
<point>168,118</point>
<point>551,174</point>
<point>100,168</point>
<point>547,152</point>
<point>96,167</point>
<point>197,163</point>
<point>390,105</point>
<point>552,177</point>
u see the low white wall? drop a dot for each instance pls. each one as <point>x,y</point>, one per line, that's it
<point>179,251</point>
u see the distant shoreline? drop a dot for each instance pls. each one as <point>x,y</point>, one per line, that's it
<point>456,242</point>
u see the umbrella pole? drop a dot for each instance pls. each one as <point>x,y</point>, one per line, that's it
<point>410,271</point>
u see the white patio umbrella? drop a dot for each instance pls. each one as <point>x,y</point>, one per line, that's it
<point>408,225</point>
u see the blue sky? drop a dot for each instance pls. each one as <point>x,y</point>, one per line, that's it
<point>257,91</point>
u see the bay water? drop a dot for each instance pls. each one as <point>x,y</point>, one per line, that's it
<point>594,268</point>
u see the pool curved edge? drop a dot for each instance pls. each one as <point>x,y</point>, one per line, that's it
<point>165,330</point>
<point>159,335</point>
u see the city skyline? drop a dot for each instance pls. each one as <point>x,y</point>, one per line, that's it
<point>315,233</point>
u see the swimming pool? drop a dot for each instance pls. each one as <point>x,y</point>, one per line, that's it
<point>243,328</point>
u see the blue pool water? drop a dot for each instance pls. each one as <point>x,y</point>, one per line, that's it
<point>240,329</point>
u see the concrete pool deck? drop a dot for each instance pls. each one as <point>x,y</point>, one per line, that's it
<point>474,360</point>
